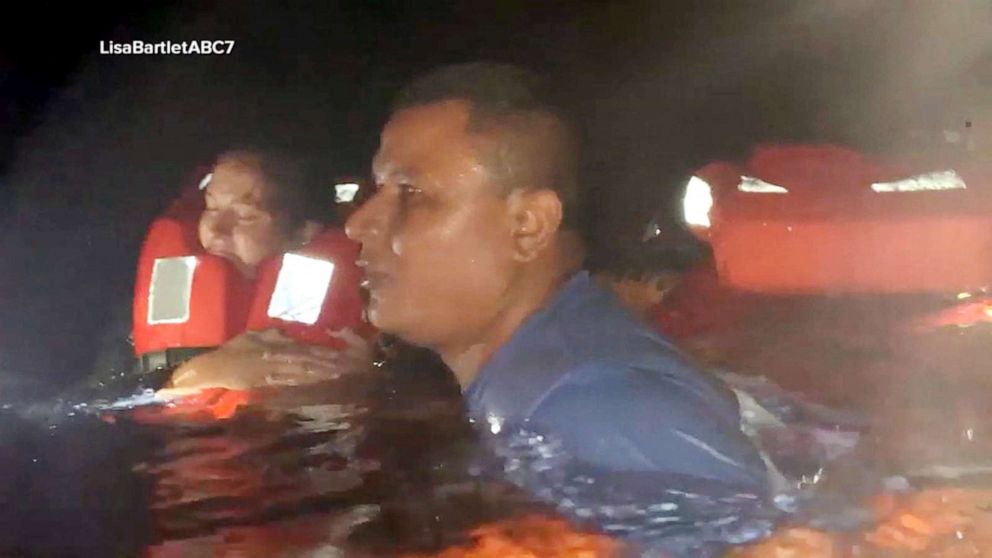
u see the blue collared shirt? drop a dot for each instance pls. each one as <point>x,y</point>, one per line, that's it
<point>619,396</point>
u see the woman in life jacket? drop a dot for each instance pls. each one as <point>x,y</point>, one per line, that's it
<point>256,209</point>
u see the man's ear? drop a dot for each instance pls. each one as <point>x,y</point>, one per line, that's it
<point>535,216</point>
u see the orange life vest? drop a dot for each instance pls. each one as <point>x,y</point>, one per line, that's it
<point>187,300</point>
<point>812,219</point>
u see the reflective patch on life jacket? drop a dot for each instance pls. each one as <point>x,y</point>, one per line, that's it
<point>169,292</point>
<point>757,186</point>
<point>946,180</point>
<point>346,192</point>
<point>300,289</point>
<point>697,202</point>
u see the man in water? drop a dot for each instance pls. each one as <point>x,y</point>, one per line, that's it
<point>468,247</point>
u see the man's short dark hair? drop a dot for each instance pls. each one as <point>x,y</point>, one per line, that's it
<point>522,105</point>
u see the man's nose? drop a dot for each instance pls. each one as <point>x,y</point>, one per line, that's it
<point>367,220</point>
<point>219,225</point>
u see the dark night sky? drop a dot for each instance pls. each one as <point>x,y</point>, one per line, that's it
<point>92,146</point>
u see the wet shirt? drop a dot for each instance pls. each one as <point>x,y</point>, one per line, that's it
<point>619,396</point>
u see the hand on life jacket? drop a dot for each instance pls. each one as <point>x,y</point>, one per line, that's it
<point>297,363</point>
<point>269,358</point>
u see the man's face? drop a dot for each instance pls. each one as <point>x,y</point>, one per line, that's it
<point>436,236</point>
<point>238,223</point>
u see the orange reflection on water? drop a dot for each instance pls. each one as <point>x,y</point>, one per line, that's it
<point>531,536</point>
<point>934,523</point>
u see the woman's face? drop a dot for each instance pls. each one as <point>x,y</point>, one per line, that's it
<point>239,222</point>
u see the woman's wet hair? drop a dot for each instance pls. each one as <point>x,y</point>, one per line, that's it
<point>297,190</point>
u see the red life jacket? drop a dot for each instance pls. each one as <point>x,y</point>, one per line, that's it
<point>310,292</point>
<point>187,300</point>
<point>845,224</point>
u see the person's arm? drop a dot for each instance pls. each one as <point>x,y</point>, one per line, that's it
<point>631,421</point>
<point>270,358</point>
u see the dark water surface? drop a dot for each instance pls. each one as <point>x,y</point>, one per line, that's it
<point>351,469</point>
<point>388,465</point>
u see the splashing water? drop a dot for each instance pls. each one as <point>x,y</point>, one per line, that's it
<point>698,518</point>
